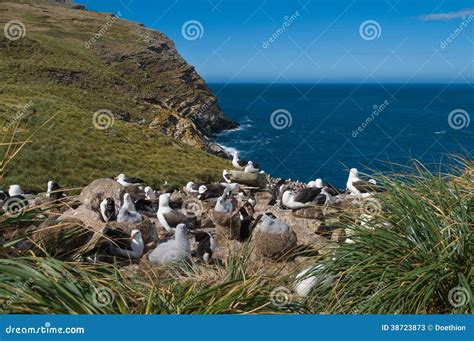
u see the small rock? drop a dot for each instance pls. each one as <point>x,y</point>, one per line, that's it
<point>274,245</point>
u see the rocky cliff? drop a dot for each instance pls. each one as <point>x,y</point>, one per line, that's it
<point>92,94</point>
<point>143,66</point>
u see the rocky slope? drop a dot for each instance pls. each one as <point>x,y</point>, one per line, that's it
<point>166,92</point>
<point>57,59</point>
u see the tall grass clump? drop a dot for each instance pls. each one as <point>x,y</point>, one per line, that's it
<point>413,255</point>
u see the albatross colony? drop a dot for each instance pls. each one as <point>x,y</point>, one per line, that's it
<point>134,223</point>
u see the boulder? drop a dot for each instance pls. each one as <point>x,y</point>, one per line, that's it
<point>146,227</point>
<point>86,216</point>
<point>305,229</point>
<point>93,194</point>
<point>274,245</point>
<point>249,179</point>
<point>227,224</point>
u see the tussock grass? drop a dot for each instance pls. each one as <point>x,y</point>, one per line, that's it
<point>411,255</point>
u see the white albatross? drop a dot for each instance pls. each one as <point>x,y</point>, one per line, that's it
<point>361,188</point>
<point>173,250</point>
<point>170,218</point>
<point>128,213</point>
<point>135,249</point>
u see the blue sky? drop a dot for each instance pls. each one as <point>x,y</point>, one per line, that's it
<point>323,42</point>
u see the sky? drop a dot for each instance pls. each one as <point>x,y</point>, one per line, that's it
<point>309,41</point>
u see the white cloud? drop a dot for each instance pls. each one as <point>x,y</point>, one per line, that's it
<point>449,15</point>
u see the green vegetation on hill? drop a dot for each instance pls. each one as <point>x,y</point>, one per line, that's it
<point>50,72</point>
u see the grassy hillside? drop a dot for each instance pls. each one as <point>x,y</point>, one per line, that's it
<point>50,74</point>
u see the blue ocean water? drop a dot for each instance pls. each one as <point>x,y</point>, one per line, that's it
<point>323,130</point>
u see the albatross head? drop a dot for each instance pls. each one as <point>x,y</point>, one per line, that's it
<point>164,200</point>
<point>354,173</point>
<point>286,197</point>
<point>150,194</point>
<point>136,235</point>
<point>319,183</point>
<point>120,177</point>
<point>50,186</point>
<point>14,190</point>
<point>202,189</point>
<point>180,232</point>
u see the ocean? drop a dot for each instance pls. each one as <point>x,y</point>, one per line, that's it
<point>307,131</point>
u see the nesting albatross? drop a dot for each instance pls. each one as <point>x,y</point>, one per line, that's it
<point>173,250</point>
<point>170,218</point>
<point>361,188</point>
